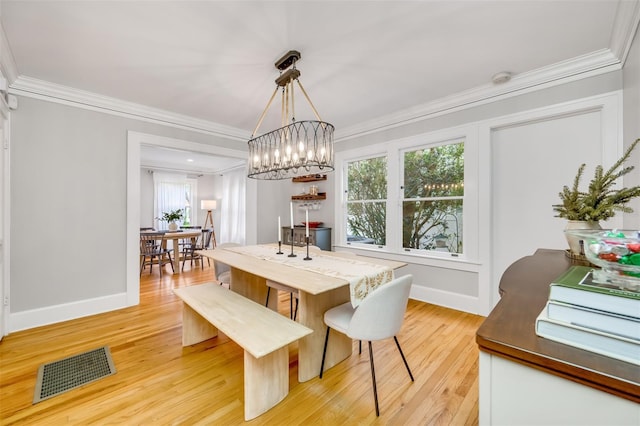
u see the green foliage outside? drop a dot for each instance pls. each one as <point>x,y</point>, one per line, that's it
<point>431,176</point>
<point>432,206</point>
<point>368,181</point>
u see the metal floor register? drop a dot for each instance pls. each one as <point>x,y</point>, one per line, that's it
<point>60,376</point>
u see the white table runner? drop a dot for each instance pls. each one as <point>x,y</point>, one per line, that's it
<point>363,276</point>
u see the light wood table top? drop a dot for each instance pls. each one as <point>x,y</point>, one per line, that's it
<point>308,281</point>
<point>318,293</point>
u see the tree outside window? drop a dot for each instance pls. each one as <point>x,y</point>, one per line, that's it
<point>433,198</point>
<point>367,201</point>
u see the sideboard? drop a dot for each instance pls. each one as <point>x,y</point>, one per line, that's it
<point>526,379</point>
<point>320,237</point>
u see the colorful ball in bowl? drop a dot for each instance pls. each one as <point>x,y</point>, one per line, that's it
<point>617,252</point>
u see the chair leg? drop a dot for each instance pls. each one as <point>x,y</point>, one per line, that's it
<point>291,305</point>
<point>295,313</point>
<point>373,379</point>
<point>184,259</point>
<point>171,262</point>
<point>403,358</point>
<point>159,264</point>
<point>324,352</point>
<point>268,292</point>
<point>359,347</point>
<point>142,264</point>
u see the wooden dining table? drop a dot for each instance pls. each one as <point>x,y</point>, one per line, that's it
<point>318,292</point>
<point>175,238</point>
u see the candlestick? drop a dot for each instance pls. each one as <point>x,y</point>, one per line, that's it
<point>306,216</point>
<point>291,210</point>
<point>279,230</point>
<point>307,258</point>
<point>292,255</point>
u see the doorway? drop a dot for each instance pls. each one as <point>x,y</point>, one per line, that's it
<point>135,141</point>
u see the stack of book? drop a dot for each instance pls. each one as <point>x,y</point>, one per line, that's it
<point>592,316</point>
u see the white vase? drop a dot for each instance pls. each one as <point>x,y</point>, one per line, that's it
<point>173,226</point>
<point>575,245</point>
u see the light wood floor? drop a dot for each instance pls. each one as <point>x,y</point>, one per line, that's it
<point>158,382</point>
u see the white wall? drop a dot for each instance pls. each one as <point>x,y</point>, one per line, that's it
<point>473,286</point>
<point>68,209</point>
<point>69,184</point>
<point>209,188</point>
<point>631,80</point>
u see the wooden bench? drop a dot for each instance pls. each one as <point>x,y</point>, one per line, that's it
<point>262,333</point>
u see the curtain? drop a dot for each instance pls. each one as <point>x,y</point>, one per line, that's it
<point>172,192</point>
<point>233,209</point>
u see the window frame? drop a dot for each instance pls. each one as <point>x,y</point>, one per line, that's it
<point>402,199</point>
<point>345,201</point>
<point>394,151</point>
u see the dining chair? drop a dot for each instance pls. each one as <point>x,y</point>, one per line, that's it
<point>222,270</point>
<point>153,246</point>
<point>379,316</point>
<point>294,294</point>
<point>190,248</point>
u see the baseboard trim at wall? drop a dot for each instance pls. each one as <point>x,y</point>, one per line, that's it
<point>53,314</point>
<point>456,301</point>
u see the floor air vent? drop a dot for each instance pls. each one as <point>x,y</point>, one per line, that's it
<point>60,376</point>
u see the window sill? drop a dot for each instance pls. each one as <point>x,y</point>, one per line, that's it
<point>458,263</point>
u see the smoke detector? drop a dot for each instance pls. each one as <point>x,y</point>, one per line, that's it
<point>501,77</point>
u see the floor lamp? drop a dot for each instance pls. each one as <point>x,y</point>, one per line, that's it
<point>209,205</point>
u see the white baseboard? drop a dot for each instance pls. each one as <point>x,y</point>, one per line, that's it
<point>456,301</point>
<point>53,314</point>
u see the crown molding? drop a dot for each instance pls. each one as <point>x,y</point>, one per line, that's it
<point>7,62</point>
<point>625,26</point>
<point>595,63</point>
<point>34,88</point>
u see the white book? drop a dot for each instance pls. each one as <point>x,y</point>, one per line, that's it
<point>594,319</point>
<point>607,344</point>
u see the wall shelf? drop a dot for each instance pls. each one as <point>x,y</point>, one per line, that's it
<point>309,178</point>
<point>309,197</point>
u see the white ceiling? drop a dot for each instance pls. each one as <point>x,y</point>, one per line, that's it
<point>361,61</point>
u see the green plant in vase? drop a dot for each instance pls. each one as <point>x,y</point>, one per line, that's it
<point>171,218</point>
<point>585,209</point>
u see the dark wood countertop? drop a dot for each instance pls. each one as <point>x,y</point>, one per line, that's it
<point>509,331</point>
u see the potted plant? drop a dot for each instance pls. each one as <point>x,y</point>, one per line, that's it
<point>585,209</point>
<point>172,217</point>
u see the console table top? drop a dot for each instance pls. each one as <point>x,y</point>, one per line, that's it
<point>509,331</point>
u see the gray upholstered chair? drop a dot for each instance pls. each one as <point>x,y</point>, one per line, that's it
<point>379,316</point>
<point>222,270</point>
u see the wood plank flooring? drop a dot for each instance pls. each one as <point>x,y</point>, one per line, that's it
<point>160,383</point>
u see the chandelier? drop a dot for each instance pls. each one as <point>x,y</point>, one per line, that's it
<point>298,147</point>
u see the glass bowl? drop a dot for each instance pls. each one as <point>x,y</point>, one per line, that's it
<point>617,252</point>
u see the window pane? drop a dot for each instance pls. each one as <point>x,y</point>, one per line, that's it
<point>434,172</point>
<point>366,223</point>
<point>367,179</point>
<point>366,201</point>
<point>432,225</point>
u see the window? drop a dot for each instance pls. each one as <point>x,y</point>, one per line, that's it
<point>367,201</point>
<point>409,196</point>
<point>432,202</point>
<point>173,192</point>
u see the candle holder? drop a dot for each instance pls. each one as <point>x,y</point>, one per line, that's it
<point>292,255</point>
<point>279,248</point>
<point>307,258</point>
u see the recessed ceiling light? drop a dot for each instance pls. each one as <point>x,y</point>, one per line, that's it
<point>189,160</point>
